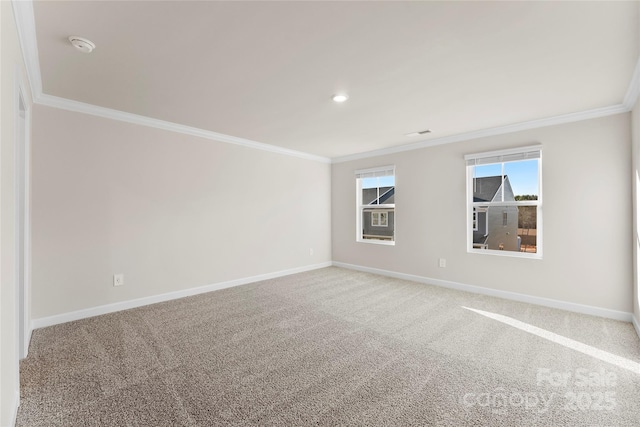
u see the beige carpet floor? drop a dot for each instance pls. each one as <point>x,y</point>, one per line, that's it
<point>334,347</point>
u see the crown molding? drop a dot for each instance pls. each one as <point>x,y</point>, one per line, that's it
<point>631,97</point>
<point>500,130</point>
<point>26,25</point>
<point>94,110</point>
<point>25,21</point>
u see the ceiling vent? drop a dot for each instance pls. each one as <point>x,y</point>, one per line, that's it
<point>422,132</point>
<point>82,44</point>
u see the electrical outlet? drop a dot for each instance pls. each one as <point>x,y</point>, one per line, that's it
<point>442,262</point>
<point>311,251</point>
<point>118,279</point>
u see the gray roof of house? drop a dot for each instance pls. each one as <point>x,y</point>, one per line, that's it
<point>486,188</point>
<point>370,196</point>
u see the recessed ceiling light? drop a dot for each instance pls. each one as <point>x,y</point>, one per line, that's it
<point>82,44</point>
<point>340,97</point>
<point>422,132</point>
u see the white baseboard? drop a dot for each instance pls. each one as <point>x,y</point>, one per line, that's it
<point>514,296</point>
<point>139,302</point>
<point>15,406</point>
<point>636,325</point>
<point>547,302</point>
<point>28,340</point>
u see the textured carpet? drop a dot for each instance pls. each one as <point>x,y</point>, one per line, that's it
<point>333,347</point>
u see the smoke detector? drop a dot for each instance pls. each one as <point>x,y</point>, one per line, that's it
<point>82,44</point>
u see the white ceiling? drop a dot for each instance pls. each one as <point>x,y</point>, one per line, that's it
<point>266,71</point>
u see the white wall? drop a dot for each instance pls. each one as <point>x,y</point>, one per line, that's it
<point>11,72</point>
<point>169,211</point>
<point>586,214</point>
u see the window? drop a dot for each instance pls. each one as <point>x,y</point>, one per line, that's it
<point>379,219</point>
<point>504,193</point>
<point>375,202</point>
<point>477,213</point>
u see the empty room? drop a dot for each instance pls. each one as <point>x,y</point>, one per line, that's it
<point>298,213</point>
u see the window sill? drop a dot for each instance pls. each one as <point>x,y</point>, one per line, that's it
<point>510,254</point>
<point>377,242</point>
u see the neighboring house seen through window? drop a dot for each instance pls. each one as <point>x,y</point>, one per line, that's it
<point>505,202</point>
<point>379,219</point>
<point>479,212</point>
<point>375,199</point>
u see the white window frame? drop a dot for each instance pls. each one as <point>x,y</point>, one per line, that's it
<point>360,207</point>
<point>502,157</point>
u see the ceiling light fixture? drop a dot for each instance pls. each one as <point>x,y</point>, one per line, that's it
<point>340,98</point>
<point>422,132</point>
<point>82,44</point>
